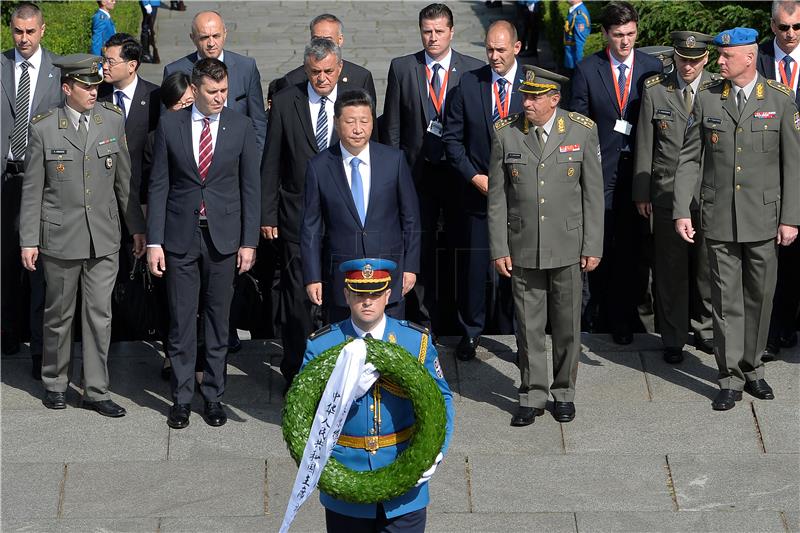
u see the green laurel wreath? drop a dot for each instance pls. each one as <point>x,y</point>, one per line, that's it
<point>396,364</point>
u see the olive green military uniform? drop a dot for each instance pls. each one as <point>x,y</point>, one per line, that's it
<point>680,270</point>
<point>545,211</point>
<point>73,192</point>
<point>750,183</point>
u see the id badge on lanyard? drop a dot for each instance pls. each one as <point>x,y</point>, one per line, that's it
<point>621,125</point>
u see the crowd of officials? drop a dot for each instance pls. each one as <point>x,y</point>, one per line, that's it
<point>535,210</point>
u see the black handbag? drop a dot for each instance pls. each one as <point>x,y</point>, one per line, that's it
<point>247,307</point>
<point>137,313</point>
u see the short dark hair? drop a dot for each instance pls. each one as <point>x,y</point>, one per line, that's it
<point>617,14</point>
<point>435,11</point>
<point>208,68</point>
<point>325,17</point>
<point>173,87</point>
<point>130,49</point>
<point>357,97</point>
<point>27,10</point>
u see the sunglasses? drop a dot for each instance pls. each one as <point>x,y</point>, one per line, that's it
<point>785,27</point>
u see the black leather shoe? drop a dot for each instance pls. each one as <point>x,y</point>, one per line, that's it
<point>234,345</point>
<point>178,417</point>
<point>9,343</point>
<point>760,389</point>
<point>726,399</point>
<point>466,348</point>
<point>55,400</point>
<point>525,416</point>
<point>622,337</point>
<point>704,345</point>
<point>105,407</point>
<point>771,351</point>
<point>789,341</point>
<point>214,414</point>
<point>673,356</point>
<point>564,411</point>
<point>36,366</point>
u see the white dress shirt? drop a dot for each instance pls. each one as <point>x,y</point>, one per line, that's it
<point>377,331</point>
<point>363,169</point>
<point>445,63</point>
<point>197,129</point>
<point>127,94</point>
<point>313,106</point>
<point>779,55</point>
<point>510,76</point>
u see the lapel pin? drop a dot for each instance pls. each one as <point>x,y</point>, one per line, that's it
<point>344,79</point>
<point>143,102</point>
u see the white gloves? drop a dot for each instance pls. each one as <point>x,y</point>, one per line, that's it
<point>149,9</point>
<point>428,474</point>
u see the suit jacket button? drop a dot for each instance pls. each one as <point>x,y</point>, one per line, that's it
<point>364,233</point>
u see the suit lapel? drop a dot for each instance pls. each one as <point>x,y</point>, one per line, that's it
<point>753,103</point>
<point>336,167</point>
<point>729,104</point>
<point>304,114</point>
<point>234,91</point>
<point>532,142</point>
<point>422,85</point>
<point>555,138</point>
<point>604,74</point>
<point>138,112</point>
<point>221,145</point>
<point>186,138</point>
<point>8,81</point>
<point>516,99</point>
<point>486,95</point>
<point>94,128</point>
<point>676,95</point>
<point>44,79</point>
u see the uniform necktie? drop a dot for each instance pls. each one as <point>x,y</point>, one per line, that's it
<point>622,82</point>
<point>121,102</point>
<point>436,87</point>
<point>368,336</point>
<point>357,189</point>
<point>687,98</point>
<point>83,129</point>
<point>205,156</point>
<point>787,68</point>
<point>501,100</point>
<point>540,137</point>
<point>740,101</point>
<point>19,137</point>
<point>322,125</point>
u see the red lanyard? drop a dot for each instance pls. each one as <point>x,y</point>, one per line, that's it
<point>784,78</point>
<point>623,100</point>
<point>502,106</point>
<point>437,99</point>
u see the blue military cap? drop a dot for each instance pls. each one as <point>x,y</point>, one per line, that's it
<point>368,275</point>
<point>736,37</point>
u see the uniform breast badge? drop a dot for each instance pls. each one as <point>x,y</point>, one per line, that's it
<point>60,167</point>
<point>109,162</point>
<point>571,171</point>
<point>514,172</point>
<point>714,137</point>
<point>663,124</point>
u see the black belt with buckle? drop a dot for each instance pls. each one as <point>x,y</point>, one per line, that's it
<point>202,223</point>
<point>15,167</point>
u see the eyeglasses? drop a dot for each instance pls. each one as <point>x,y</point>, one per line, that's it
<point>111,62</point>
<point>785,27</point>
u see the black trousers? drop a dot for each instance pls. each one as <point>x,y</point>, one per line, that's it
<point>413,522</point>
<point>202,269</point>
<point>296,311</point>
<point>783,321</point>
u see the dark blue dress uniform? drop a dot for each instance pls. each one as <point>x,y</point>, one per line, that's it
<point>577,28</point>
<point>102,30</point>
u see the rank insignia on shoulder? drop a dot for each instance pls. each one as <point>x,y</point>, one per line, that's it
<point>62,124</point>
<point>654,80</point>
<point>98,119</point>
<point>503,122</point>
<point>417,327</point>
<point>779,86</point>
<point>580,119</point>
<point>321,331</point>
<point>40,116</point>
<point>713,82</point>
<point>112,107</point>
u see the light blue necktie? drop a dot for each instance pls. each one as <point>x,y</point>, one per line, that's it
<point>357,189</point>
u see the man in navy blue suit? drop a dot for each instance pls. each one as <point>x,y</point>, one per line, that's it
<point>360,201</point>
<point>467,139</point>
<point>607,88</point>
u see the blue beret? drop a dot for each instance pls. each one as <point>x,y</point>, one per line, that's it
<point>368,275</point>
<point>736,37</point>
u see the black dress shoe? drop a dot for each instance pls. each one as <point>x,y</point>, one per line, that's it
<point>9,343</point>
<point>704,345</point>
<point>726,399</point>
<point>622,337</point>
<point>673,356</point>
<point>525,416</point>
<point>105,407</point>
<point>214,414</point>
<point>564,411</point>
<point>178,417</point>
<point>55,400</point>
<point>36,366</point>
<point>760,389</point>
<point>789,341</point>
<point>466,348</point>
<point>166,370</point>
<point>771,351</point>
<point>234,345</point>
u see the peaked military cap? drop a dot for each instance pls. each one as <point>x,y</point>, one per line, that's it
<point>690,44</point>
<point>660,52</point>
<point>84,68</point>
<point>539,81</point>
<point>736,37</point>
<point>368,275</point>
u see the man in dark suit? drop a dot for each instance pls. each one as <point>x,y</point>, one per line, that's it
<point>244,81</point>
<point>413,120</point>
<point>352,76</point>
<point>484,96</point>
<point>31,86</point>
<point>359,201</point>
<point>779,60</point>
<point>202,225</point>
<point>607,88</point>
<point>301,126</point>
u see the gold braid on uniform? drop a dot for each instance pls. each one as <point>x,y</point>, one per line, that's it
<point>503,122</point>
<point>423,348</point>
<point>580,119</point>
<point>112,107</point>
<point>780,87</point>
<point>654,80</point>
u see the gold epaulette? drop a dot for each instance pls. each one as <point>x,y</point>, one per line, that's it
<point>779,86</point>
<point>654,80</point>
<point>710,83</point>
<point>580,119</point>
<point>503,122</point>
<point>321,331</point>
<point>112,107</point>
<point>40,116</point>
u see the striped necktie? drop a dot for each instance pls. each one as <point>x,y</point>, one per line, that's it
<point>19,137</point>
<point>322,125</point>
<point>205,156</point>
<point>621,82</point>
<point>501,100</point>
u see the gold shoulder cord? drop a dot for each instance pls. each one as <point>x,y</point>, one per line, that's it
<point>423,348</point>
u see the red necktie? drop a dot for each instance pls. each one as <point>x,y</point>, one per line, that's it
<point>205,157</point>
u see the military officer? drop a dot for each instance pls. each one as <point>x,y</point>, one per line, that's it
<point>745,132</point>
<point>679,270</point>
<point>384,411</point>
<point>545,212</point>
<point>77,181</point>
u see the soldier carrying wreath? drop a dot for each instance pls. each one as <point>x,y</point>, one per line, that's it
<point>396,404</point>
